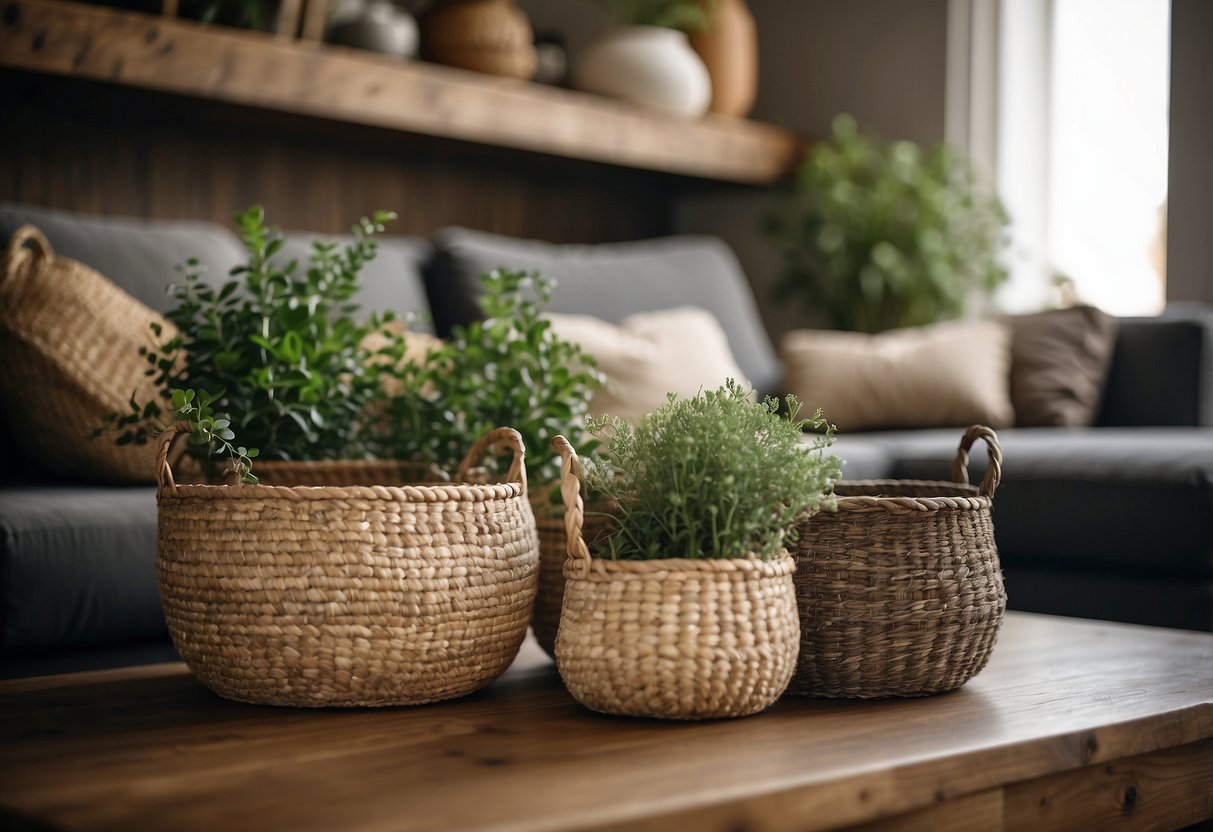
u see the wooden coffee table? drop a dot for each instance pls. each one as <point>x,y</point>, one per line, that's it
<point>1074,725</point>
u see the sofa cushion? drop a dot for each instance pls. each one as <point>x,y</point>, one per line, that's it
<point>77,567</point>
<point>138,255</point>
<point>611,281</point>
<point>648,356</point>
<point>949,373</point>
<point>1129,500</point>
<point>1059,365</point>
<point>391,282</point>
<point>1162,370</point>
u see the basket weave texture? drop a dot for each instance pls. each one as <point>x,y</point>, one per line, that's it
<point>900,590</point>
<point>69,345</point>
<point>347,596</point>
<point>672,638</point>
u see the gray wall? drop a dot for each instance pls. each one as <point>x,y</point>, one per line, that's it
<point>883,61</point>
<point>1190,199</point>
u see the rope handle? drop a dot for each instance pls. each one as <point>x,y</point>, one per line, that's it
<point>574,508</point>
<point>498,439</point>
<point>27,244</point>
<point>960,466</point>
<point>164,472</point>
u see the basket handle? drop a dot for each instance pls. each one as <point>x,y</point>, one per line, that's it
<point>37,253</point>
<point>960,466</point>
<point>498,439</point>
<point>164,472</point>
<point>574,508</point>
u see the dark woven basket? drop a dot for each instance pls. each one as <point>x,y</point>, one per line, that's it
<point>900,589</point>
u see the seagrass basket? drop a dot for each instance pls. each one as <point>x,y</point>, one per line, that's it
<point>900,589</point>
<point>672,638</point>
<point>69,346</point>
<point>347,595</point>
<point>314,472</point>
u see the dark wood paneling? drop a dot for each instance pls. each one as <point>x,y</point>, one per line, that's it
<point>105,149</point>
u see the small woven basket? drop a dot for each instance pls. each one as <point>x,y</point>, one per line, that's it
<point>351,595</point>
<point>673,638</point>
<point>900,590</point>
<point>69,345</point>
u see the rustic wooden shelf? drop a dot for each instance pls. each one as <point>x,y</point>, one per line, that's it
<point>309,79</point>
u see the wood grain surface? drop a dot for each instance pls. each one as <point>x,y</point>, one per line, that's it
<point>358,87</point>
<point>1067,718</point>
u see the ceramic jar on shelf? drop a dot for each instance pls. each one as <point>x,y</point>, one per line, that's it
<point>650,66</point>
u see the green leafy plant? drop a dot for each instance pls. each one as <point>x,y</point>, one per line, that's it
<point>508,369</point>
<point>211,432</point>
<point>877,235</point>
<point>282,344</point>
<point>684,15</point>
<point>714,476</point>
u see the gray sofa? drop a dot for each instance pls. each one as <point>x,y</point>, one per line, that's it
<point>1114,521</point>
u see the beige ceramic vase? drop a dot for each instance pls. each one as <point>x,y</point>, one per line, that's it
<point>729,49</point>
<point>491,36</point>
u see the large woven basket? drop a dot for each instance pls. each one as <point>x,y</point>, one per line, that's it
<point>900,590</point>
<point>672,638</point>
<point>69,346</point>
<point>339,472</point>
<point>347,596</point>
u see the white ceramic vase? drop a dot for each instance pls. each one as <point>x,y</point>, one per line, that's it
<point>647,65</point>
<point>377,26</point>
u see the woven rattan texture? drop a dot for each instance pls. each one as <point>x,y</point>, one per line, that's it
<point>355,596</point>
<point>679,639</point>
<point>673,638</point>
<point>69,348</point>
<point>900,590</point>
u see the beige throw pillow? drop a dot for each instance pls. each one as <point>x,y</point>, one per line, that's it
<point>646,356</point>
<point>950,374</point>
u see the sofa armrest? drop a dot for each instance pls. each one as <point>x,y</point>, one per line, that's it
<point>1162,370</point>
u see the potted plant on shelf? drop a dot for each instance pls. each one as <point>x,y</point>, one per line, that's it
<point>685,608</point>
<point>646,58</point>
<point>881,235</point>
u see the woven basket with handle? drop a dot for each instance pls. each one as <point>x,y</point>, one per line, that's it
<point>348,595</point>
<point>900,590</point>
<point>673,638</point>
<point>69,345</point>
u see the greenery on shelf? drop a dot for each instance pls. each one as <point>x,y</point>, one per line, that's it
<point>509,369</point>
<point>684,15</point>
<point>714,476</point>
<point>283,346</point>
<point>877,235</point>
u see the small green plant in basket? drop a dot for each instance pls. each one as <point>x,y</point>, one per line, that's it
<point>714,476</point>
<point>281,343</point>
<point>508,369</point>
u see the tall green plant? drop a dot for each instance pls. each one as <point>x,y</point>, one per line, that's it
<point>509,369</point>
<point>281,344</point>
<point>877,235</point>
<point>714,476</point>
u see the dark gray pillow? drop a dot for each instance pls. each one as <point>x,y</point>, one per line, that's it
<point>611,281</point>
<point>391,282</point>
<point>138,255</point>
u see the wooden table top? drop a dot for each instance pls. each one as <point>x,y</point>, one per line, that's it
<point>149,747</point>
